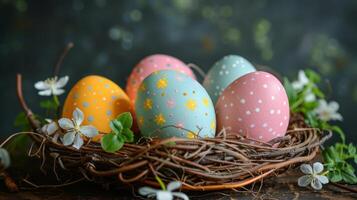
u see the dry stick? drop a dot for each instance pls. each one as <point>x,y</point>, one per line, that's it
<point>344,187</point>
<point>112,172</point>
<point>50,186</point>
<point>9,182</point>
<point>60,60</point>
<point>35,124</point>
<point>198,69</point>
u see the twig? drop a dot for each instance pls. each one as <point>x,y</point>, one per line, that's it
<point>60,60</point>
<point>344,187</point>
<point>198,69</point>
<point>35,124</point>
<point>51,186</point>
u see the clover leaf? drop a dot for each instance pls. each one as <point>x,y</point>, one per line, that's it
<point>120,134</point>
<point>336,159</point>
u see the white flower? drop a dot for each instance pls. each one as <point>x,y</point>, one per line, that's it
<point>51,129</point>
<point>75,131</point>
<point>309,96</point>
<point>4,159</point>
<point>313,176</point>
<point>328,111</point>
<point>164,194</point>
<point>51,86</point>
<point>301,82</point>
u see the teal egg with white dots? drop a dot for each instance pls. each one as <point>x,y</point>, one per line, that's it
<point>224,72</point>
<point>172,104</point>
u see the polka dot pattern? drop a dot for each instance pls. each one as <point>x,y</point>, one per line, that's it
<point>172,99</point>
<point>224,72</point>
<point>152,64</point>
<point>260,107</point>
<point>100,99</point>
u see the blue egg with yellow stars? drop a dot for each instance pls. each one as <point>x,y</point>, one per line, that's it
<point>171,104</point>
<point>224,72</point>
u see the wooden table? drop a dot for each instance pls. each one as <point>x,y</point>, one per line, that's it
<point>281,187</point>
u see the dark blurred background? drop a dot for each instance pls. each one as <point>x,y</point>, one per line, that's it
<point>110,37</point>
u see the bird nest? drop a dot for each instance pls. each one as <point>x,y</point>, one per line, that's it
<point>223,162</point>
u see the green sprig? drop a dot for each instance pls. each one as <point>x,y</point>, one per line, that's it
<point>337,157</point>
<point>121,133</point>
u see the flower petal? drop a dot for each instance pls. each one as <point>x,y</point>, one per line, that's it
<point>164,195</point>
<point>310,97</point>
<point>78,116</point>
<point>318,167</point>
<point>180,195</point>
<point>322,104</point>
<point>173,185</point>
<point>336,116</point>
<point>297,85</point>
<point>322,179</point>
<point>303,78</point>
<point>316,184</point>
<point>5,160</point>
<point>144,191</point>
<point>304,180</point>
<point>333,105</point>
<point>44,129</point>
<point>55,138</point>
<point>45,92</point>
<point>65,123</point>
<point>42,85</point>
<point>68,138</point>
<point>52,128</point>
<point>78,142</point>
<point>306,169</point>
<point>62,82</point>
<point>89,131</point>
<point>57,92</point>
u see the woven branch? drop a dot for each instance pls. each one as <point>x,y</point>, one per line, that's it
<point>223,162</point>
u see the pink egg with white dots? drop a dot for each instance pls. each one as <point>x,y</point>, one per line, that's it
<point>255,106</point>
<point>152,64</point>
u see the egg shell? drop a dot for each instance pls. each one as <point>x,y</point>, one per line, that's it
<point>100,99</point>
<point>224,72</point>
<point>151,64</point>
<point>255,105</point>
<point>170,103</point>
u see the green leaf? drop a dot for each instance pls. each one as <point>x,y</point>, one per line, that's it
<point>128,135</point>
<point>49,104</point>
<point>312,76</point>
<point>312,120</point>
<point>335,176</point>
<point>22,122</point>
<point>126,119</point>
<point>355,159</point>
<point>289,91</point>
<point>170,144</point>
<point>111,143</point>
<point>339,131</point>
<point>348,175</point>
<point>116,126</point>
<point>318,92</point>
<point>351,149</point>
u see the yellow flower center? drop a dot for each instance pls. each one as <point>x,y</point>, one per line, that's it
<point>191,104</point>
<point>160,119</point>
<point>148,104</point>
<point>161,83</point>
<point>205,102</point>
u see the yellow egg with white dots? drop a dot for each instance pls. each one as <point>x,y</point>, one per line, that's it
<point>100,99</point>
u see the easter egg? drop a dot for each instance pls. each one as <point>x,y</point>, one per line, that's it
<point>224,72</point>
<point>172,104</point>
<point>151,64</point>
<point>100,99</point>
<point>256,106</point>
